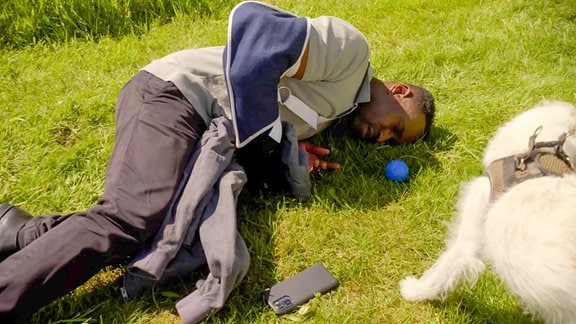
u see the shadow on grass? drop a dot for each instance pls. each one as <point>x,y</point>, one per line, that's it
<point>477,310</point>
<point>487,301</point>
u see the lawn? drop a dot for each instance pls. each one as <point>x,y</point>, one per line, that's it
<point>484,61</point>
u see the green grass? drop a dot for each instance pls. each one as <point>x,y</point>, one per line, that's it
<point>483,60</point>
<point>45,21</point>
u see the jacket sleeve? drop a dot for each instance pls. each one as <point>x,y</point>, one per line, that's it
<point>226,253</point>
<point>263,44</point>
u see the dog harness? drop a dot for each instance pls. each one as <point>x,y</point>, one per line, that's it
<point>543,159</point>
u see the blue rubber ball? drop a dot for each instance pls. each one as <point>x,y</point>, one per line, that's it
<point>397,170</point>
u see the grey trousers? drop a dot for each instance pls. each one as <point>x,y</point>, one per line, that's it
<point>156,131</point>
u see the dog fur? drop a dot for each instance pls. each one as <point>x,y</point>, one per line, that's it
<point>527,236</point>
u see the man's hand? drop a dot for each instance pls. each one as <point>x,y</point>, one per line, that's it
<point>314,153</point>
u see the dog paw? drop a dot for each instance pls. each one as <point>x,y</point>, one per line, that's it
<point>413,289</point>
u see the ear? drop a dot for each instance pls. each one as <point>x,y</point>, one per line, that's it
<point>401,89</point>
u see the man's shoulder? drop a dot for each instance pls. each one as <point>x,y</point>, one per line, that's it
<point>199,53</point>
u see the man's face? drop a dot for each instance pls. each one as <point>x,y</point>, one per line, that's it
<point>391,116</point>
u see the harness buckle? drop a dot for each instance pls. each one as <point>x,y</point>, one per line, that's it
<point>540,148</point>
<point>559,150</point>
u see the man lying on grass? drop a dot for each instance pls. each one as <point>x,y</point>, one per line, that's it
<point>317,72</point>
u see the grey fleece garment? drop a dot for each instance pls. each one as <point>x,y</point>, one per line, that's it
<point>204,223</point>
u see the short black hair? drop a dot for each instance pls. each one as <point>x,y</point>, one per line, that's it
<point>427,107</point>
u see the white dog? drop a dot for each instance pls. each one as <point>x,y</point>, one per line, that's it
<point>525,230</point>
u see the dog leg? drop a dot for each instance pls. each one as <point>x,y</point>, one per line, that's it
<point>461,259</point>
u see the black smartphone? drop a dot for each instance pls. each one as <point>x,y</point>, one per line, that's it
<point>297,290</point>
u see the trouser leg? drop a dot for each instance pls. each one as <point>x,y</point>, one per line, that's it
<point>156,133</point>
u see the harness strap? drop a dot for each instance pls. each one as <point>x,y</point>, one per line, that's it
<point>543,159</point>
<point>502,175</point>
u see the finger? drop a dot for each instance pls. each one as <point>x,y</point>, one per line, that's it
<point>317,150</point>
<point>325,165</point>
<point>305,145</point>
<point>313,149</point>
